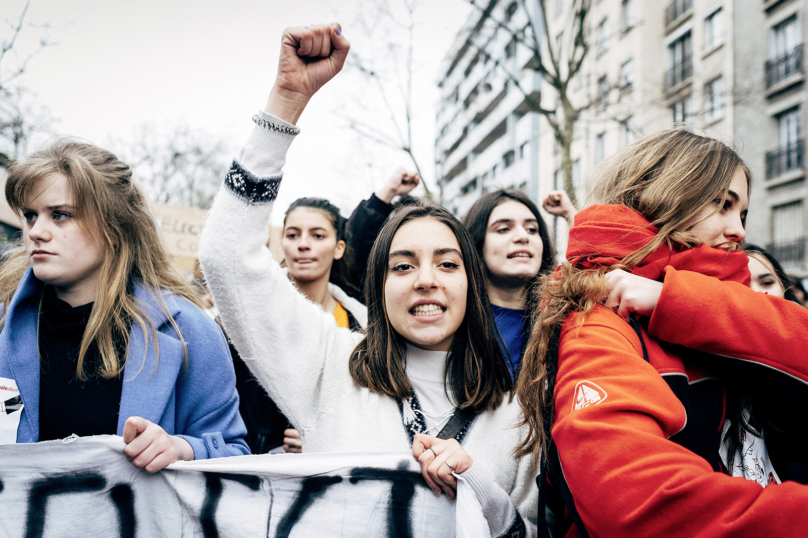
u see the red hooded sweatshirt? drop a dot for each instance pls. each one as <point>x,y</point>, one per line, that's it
<point>615,414</point>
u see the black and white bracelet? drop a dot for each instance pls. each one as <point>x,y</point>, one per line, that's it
<point>266,124</point>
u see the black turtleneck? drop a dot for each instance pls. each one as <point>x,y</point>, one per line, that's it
<point>66,404</point>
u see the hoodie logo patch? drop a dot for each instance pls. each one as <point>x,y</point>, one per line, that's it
<point>586,394</point>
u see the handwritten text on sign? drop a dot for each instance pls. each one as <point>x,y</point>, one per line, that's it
<point>88,488</point>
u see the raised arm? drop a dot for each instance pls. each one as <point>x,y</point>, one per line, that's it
<point>367,219</point>
<point>289,343</point>
<point>558,203</point>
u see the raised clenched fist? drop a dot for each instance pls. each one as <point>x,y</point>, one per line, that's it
<point>402,182</point>
<point>558,203</point>
<point>309,58</point>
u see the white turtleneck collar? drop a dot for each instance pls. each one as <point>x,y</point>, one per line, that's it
<point>425,371</point>
<point>425,365</point>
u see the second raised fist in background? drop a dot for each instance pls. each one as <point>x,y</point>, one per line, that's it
<point>401,182</point>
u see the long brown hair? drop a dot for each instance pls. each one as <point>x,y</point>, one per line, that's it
<point>476,222</point>
<point>476,371</point>
<point>114,212</point>
<point>667,178</point>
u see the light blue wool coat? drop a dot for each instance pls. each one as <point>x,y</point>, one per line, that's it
<point>198,403</point>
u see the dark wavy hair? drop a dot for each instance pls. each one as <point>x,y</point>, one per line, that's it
<point>340,269</point>
<point>787,281</point>
<point>476,222</point>
<point>745,414</point>
<point>476,372</point>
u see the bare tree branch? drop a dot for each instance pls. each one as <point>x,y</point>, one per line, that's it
<point>548,56</point>
<point>8,46</point>
<point>394,91</point>
<point>20,118</point>
<point>177,166</point>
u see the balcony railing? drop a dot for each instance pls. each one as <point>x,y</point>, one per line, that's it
<point>676,9</point>
<point>680,72</point>
<point>789,253</point>
<point>784,159</point>
<point>783,67</point>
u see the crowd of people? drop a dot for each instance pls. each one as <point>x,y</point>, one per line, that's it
<point>649,385</point>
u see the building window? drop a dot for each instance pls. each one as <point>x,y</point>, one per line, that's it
<point>714,29</point>
<point>600,147</point>
<point>680,61</point>
<point>603,36</point>
<point>788,126</point>
<point>472,64</point>
<point>626,75</point>
<point>785,52</point>
<point>603,92</point>
<point>469,187</point>
<point>522,187</point>
<point>788,235</point>
<point>576,173</point>
<point>784,37</point>
<point>507,159</point>
<point>471,97</point>
<point>627,14</point>
<point>510,49</point>
<point>626,133</point>
<point>676,9</point>
<point>788,155</point>
<point>682,111</point>
<point>714,99</point>
<point>576,129</point>
<point>494,172</point>
<point>510,11</point>
<point>522,150</point>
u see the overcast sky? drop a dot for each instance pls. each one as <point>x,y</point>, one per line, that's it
<point>116,65</point>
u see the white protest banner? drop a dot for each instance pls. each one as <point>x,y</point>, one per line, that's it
<point>87,487</point>
<point>11,407</point>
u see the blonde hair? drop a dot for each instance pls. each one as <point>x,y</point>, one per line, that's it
<point>113,211</point>
<point>667,178</point>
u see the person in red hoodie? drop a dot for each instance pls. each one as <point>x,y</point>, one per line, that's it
<point>665,397</point>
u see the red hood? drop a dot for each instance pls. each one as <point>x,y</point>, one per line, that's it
<point>605,234</point>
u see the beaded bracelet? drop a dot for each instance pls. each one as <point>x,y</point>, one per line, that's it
<point>266,124</point>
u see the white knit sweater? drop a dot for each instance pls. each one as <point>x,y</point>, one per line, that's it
<point>269,322</point>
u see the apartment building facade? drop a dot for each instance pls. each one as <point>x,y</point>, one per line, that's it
<point>487,136</point>
<point>781,192</point>
<point>730,69</point>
